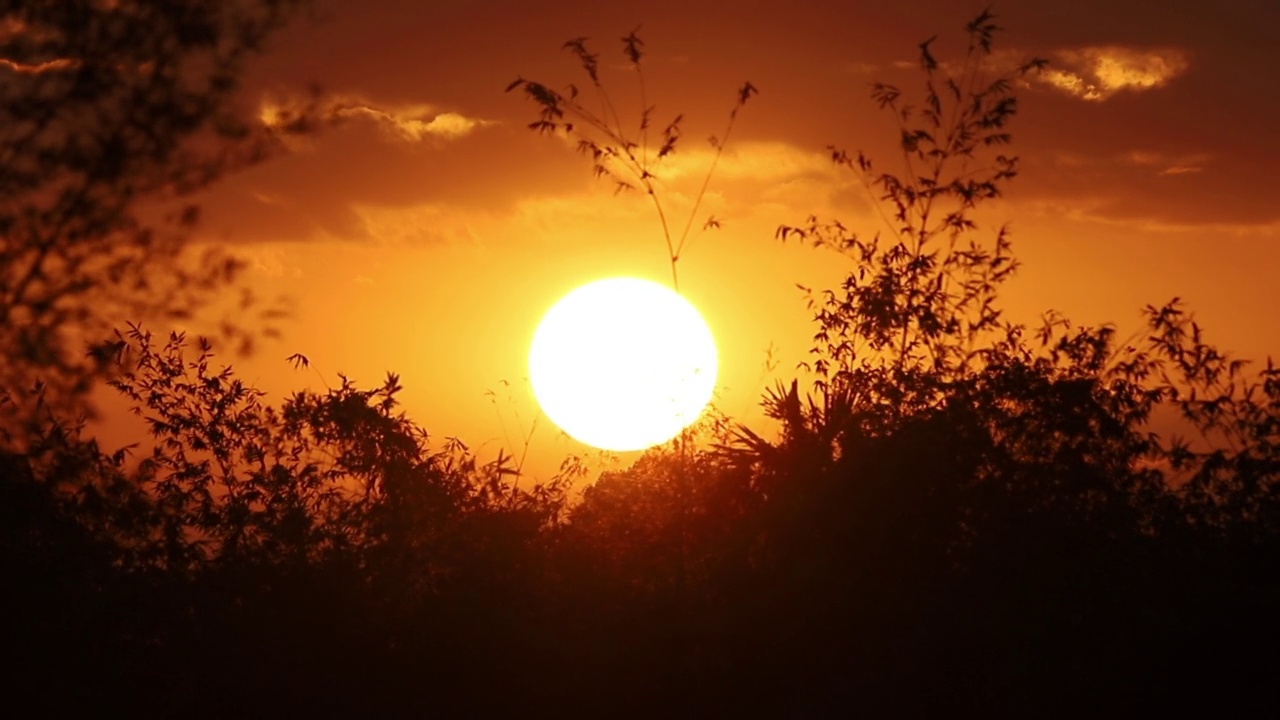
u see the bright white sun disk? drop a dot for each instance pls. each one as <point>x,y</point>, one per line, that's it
<point>623,364</point>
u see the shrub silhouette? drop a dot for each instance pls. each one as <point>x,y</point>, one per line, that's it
<point>947,449</point>
<point>249,531</point>
<point>957,512</point>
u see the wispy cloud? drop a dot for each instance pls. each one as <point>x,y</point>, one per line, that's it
<point>753,178</point>
<point>862,68</point>
<point>761,161</point>
<point>755,184</point>
<point>421,223</point>
<point>1102,211</point>
<point>271,261</point>
<point>40,67</point>
<point>1098,73</point>
<point>1158,163</point>
<point>1164,164</point>
<point>412,123</point>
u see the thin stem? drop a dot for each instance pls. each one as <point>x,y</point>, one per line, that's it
<point>644,118</point>
<point>706,180</point>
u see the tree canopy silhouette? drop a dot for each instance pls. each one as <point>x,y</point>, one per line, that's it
<point>111,115</point>
<point>957,511</point>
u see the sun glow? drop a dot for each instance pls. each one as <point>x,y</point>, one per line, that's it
<point>623,364</point>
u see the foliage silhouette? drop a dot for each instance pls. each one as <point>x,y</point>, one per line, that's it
<point>626,157</point>
<point>244,514</point>
<point>112,115</point>
<point>959,513</point>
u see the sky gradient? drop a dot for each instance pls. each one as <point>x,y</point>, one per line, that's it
<point>427,229</point>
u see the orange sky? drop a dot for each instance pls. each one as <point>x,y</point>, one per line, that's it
<point>428,232</point>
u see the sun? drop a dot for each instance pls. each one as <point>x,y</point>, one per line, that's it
<point>623,364</point>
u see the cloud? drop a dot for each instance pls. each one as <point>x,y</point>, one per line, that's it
<point>422,223</point>
<point>766,179</point>
<point>1098,73</point>
<point>862,68</point>
<point>755,184</point>
<point>759,161</point>
<point>1103,211</point>
<point>40,67</point>
<point>1164,164</point>
<point>1157,163</point>
<point>270,260</point>
<point>412,123</point>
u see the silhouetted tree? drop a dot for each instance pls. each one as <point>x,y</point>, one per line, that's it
<point>980,490</point>
<point>962,511</point>
<point>111,115</point>
<point>248,532</point>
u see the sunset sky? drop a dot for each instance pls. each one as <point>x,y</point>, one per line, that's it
<point>428,231</point>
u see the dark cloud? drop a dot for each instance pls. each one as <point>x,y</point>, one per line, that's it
<point>1163,110</point>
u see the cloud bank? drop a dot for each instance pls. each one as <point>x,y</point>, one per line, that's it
<point>1098,73</point>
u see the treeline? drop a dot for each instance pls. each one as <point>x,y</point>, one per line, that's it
<point>1018,547</point>
<point>958,514</point>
